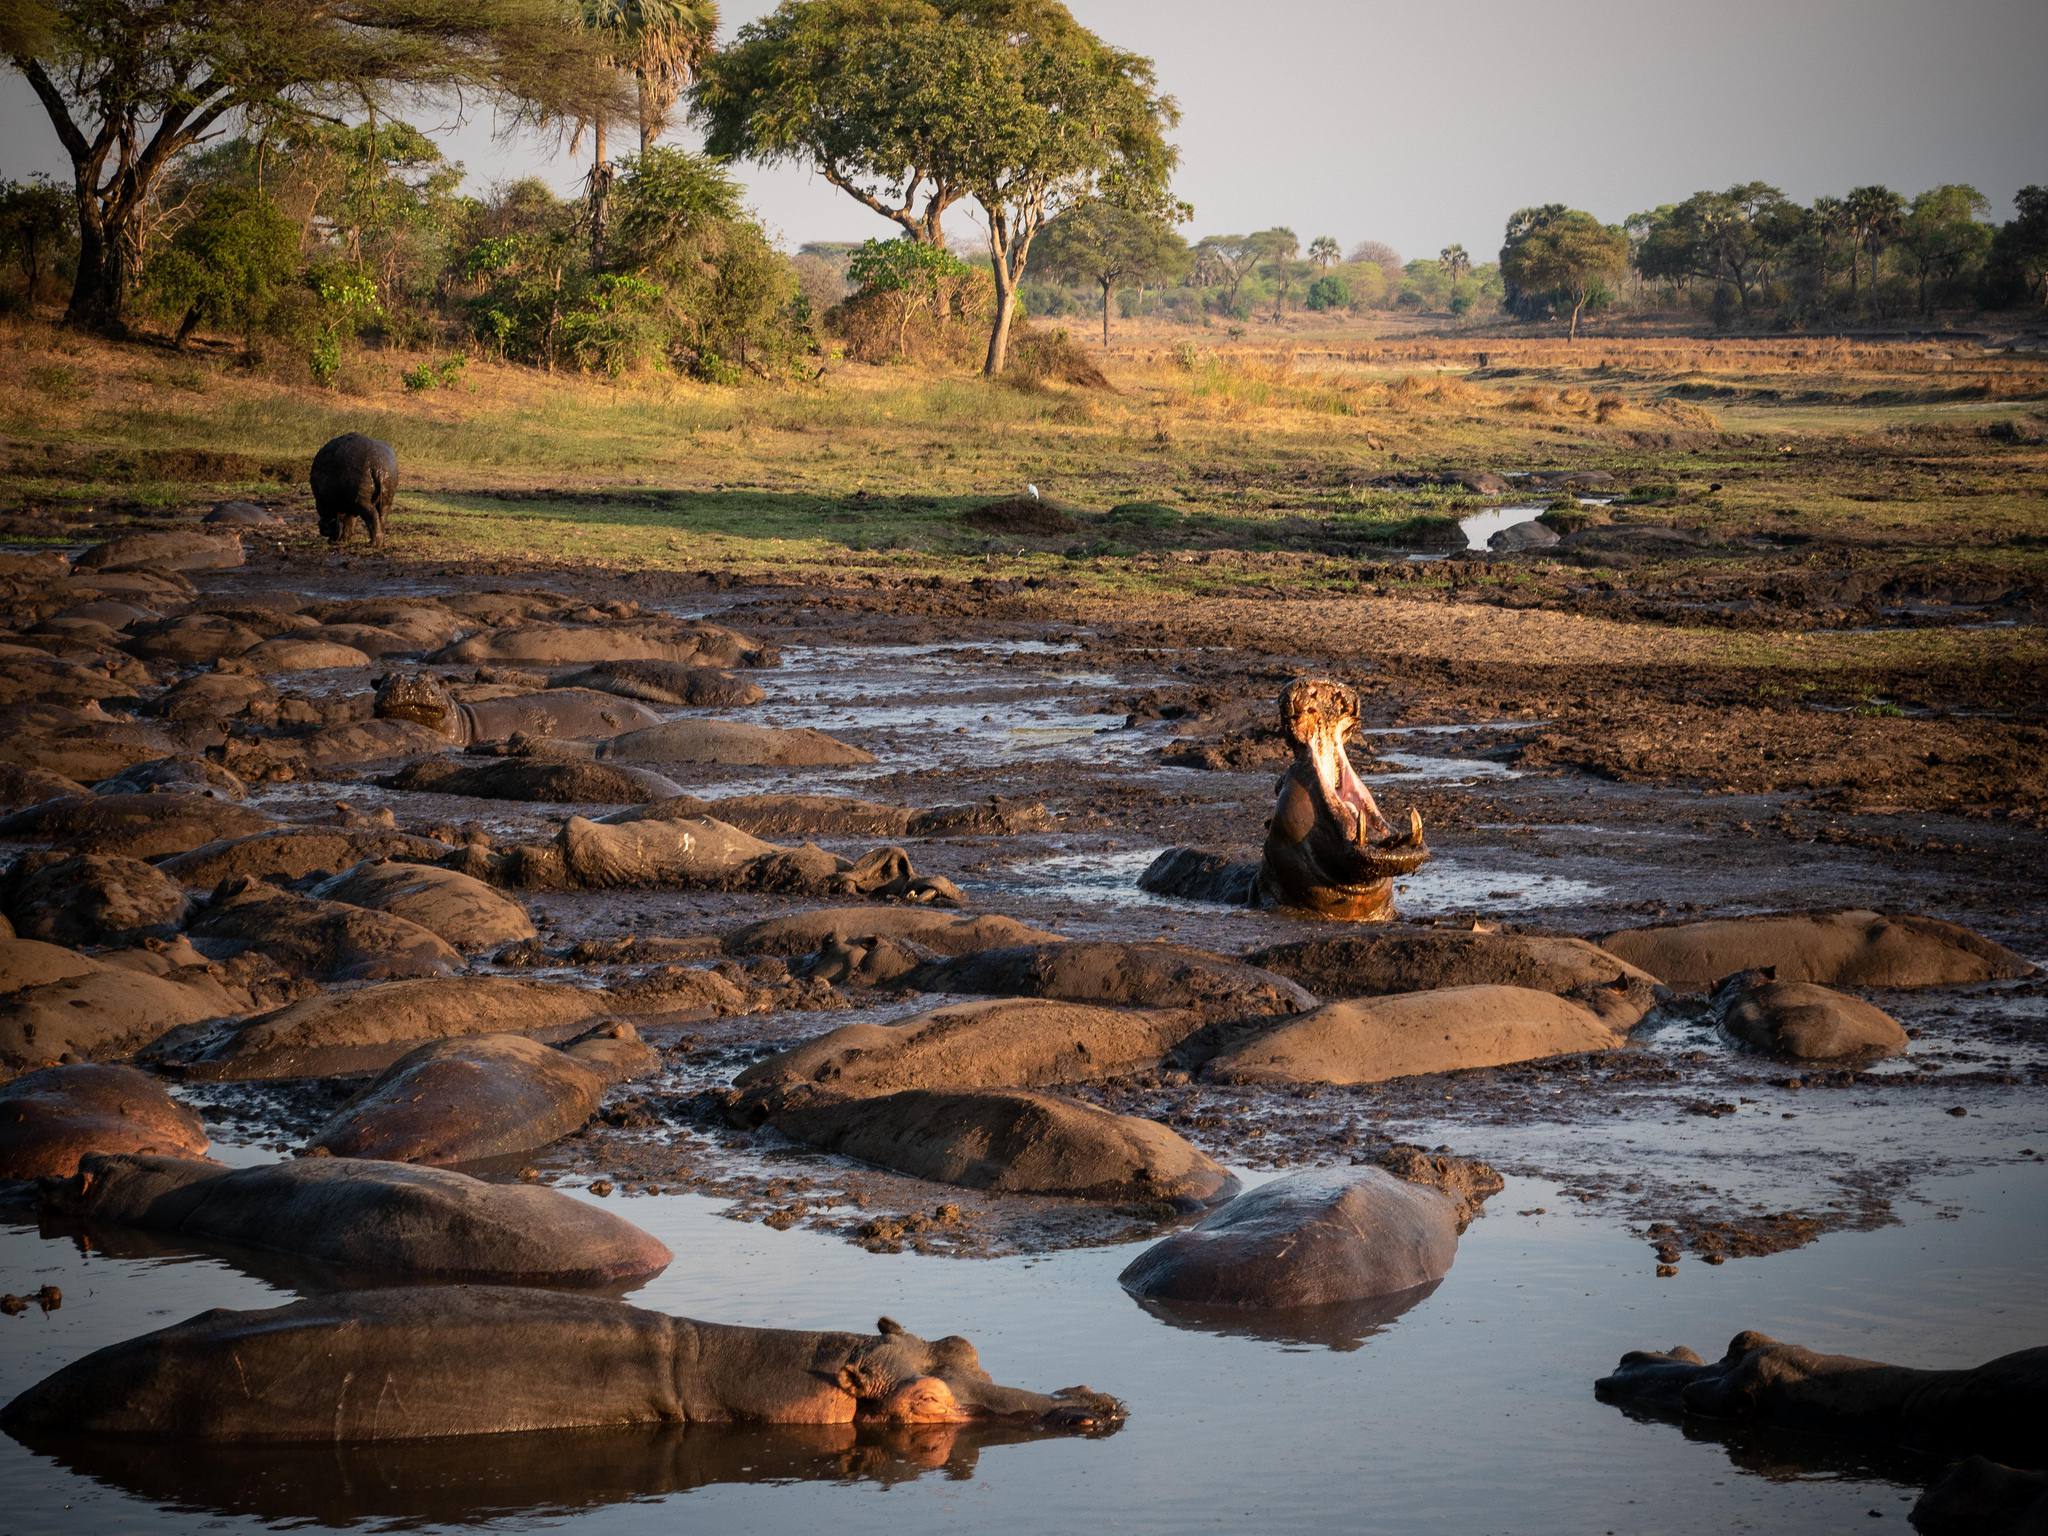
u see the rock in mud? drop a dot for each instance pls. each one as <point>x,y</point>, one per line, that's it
<point>108,1010</point>
<point>463,1100</point>
<point>703,645</point>
<point>297,853</point>
<point>943,933</point>
<point>321,940</point>
<point>364,1218</point>
<point>1835,949</point>
<point>732,743</point>
<point>1015,1143</point>
<point>487,1359</point>
<point>50,1119</point>
<point>1005,1043</point>
<point>176,775</point>
<point>845,816</point>
<point>536,779</point>
<point>1517,537</point>
<point>701,854</point>
<point>1994,1410</point>
<point>91,899</point>
<point>31,963</point>
<point>1802,1021</point>
<point>468,914</point>
<point>1311,1239</point>
<point>1403,958</point>
<point>1374,1040</point>
<point>23,787</point>
<point>164,552</point>
<point>299,653</point>
<point>1981,1497</point>
<point>1103,971</point>
<point>366,1029</point>
<point>135,826</point>
<point>668,682</point>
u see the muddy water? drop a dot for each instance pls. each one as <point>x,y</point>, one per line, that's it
<point>1470,1410</point>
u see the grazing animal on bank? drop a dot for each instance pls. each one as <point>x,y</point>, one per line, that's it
<point>354,477</point>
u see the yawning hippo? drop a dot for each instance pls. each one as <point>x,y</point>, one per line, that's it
<point>354,478</point>
<point>424,1363</point>
<point>1329,852</point>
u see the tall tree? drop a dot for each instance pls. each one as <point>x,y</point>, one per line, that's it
<point>128,84</point>
<point>1278,247</point>
<point>838,85</point>
<point>1733,237</point>
<point>1225,261</point>
<point>660,43</point>
<point>1564,253</point>
<point>1453,262</point>
<point>1324,252</point>
<point>1944,236</point>
<point>1102,241</point>
<point>1874,215</point>
<point>2019,251</point>
<point>1055,115</point>
<point>1380,254</point>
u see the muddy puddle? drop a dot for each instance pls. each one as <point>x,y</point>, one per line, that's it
<point>1470,1411</point>
<point>1465,1409</point>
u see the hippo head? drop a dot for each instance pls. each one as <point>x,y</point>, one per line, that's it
<point>898,1378</point>
<point>419,698</point>
<point>1329,851</point>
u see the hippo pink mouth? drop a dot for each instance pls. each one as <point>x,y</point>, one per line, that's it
<point>1321,717</point>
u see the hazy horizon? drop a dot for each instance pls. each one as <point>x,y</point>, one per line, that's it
<point>1396,124</point>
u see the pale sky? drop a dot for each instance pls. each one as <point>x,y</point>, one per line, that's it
<point>1420,124</point>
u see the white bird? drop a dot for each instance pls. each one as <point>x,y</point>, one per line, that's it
<point>1033,490</point>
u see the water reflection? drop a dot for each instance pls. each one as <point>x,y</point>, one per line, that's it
<point>476,1479</point>
<point>1342,1326</point>
<point>1783,1455</point>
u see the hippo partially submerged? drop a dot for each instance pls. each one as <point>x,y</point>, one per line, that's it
<point>425,1363</point>
<point>1329,852</point>
<point>569,713</point>
<point>355,478</point>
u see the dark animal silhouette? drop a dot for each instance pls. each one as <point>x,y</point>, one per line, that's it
<point>354,477</point>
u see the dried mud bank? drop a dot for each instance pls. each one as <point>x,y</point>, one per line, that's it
<point>1010,754</point>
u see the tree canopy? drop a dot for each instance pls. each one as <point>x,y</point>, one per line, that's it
<point>1563,254</point>
<point>128,84</point>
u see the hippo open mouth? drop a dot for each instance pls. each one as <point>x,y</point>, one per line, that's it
<point>1329,850</point>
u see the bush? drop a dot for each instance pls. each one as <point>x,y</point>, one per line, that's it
<point>427,376</point>
<point>225,266</point>
<point>1328,292</point>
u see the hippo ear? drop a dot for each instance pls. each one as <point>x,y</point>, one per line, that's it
<point>887,1327</point>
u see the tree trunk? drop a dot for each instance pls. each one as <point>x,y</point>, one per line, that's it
<point>1105,315</point>
<point>650,120</point>
<point>1576,307</point>
<point>600,189</point>
<point>99,292</point>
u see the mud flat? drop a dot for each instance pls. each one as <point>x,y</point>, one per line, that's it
<point>1679,1187</point>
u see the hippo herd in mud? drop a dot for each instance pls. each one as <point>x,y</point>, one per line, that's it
<point>157,928</point>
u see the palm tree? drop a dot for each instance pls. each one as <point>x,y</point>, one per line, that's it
<point>662,42</point>
<point>1875,216</point>
<point>1324,252</point>
<point>1453,262</point>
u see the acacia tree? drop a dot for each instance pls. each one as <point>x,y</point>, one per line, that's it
<point>1106,242</point>
<point>1944,236</point>
<point>128,84</point>
<point>1562,252</point>
<point>1225,261</point>
<point>1736,236</point>
<point>837,85</point>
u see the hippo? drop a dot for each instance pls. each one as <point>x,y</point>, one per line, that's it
<point>52,1118</point>
<point>478,1360</point>
<point>536,779</point>
<point>846,816</point>
<point>1316,1238</point>
<point>1329,852</point>
<point>478,1096</point>
<point>1803,1021</point>
<point>1855,948</point>
<point>703,854</point>
<point>1993,1410</point>
<point>354,477</point>
<point>669,682</point>
<point>1105,971</point>
<point>353,1218</point>
<point>564,713</point>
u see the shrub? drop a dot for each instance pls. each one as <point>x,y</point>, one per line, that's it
<point>1328,292</point>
